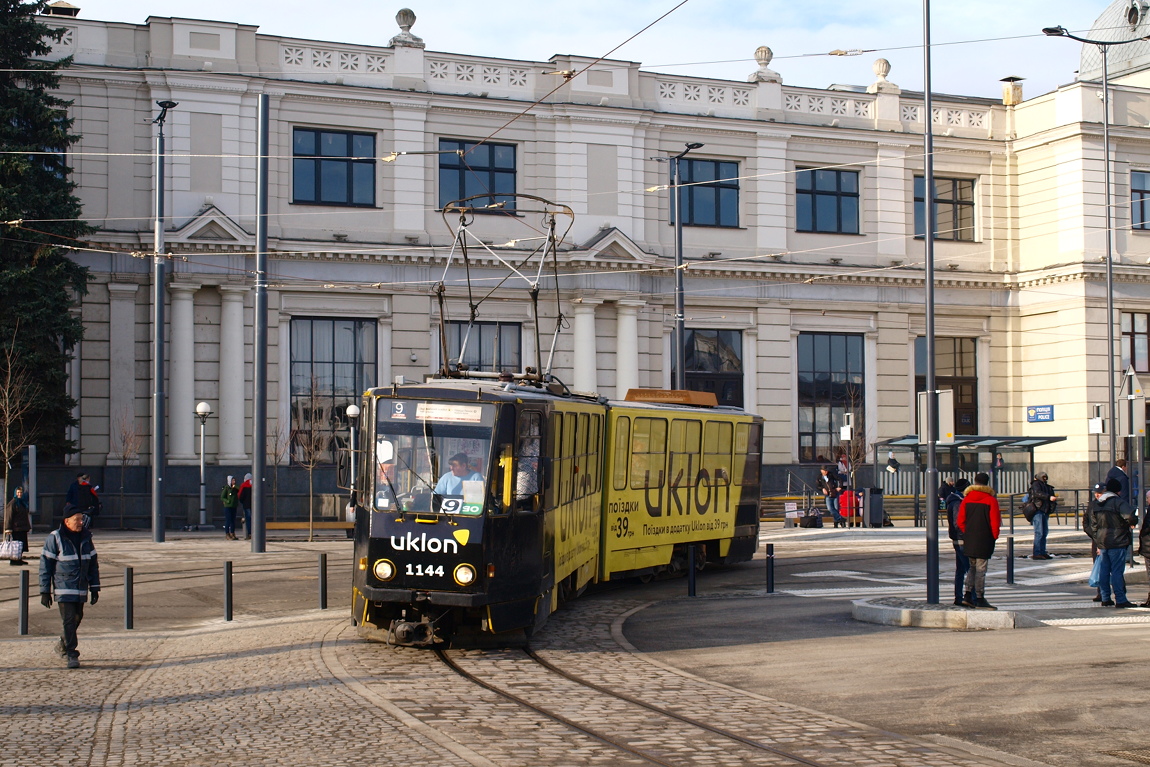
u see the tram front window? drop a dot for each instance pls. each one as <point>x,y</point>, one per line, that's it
<point>432,457</point>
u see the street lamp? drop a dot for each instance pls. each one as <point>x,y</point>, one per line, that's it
<point>1111,370</point>
<point>158,456</point>
<point>679,354</point>
<point>352,416</point>
<point>203,410</point>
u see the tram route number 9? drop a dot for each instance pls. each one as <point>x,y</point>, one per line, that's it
<point>621,528</point>
<point>429,570</point>
<point>457,506</point>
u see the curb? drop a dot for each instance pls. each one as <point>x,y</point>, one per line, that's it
<point>867,611</point>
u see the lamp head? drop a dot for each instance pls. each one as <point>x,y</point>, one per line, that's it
<point>694,145</point>
<point>352,411</point>
<point>203,410</point>
<point>167,104</point>
<point>1059,31</point>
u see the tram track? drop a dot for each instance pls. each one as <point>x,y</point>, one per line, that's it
<point>761,753</point>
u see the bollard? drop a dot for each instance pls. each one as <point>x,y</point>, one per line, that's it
<point>227,590</point>
<point>1010,560</point>
<point>129,597</point>
<point>691,570</point>
<point>770,568</point>
<point>23,603</point>
<point>323,581</point>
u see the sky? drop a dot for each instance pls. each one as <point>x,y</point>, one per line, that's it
<point>975,43</point>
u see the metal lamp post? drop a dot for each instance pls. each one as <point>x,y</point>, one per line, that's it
<point>679,354</point>
<point>352,416</point>
<point>158,448</point>
<point>1111,369</point>
<point>203,410</point>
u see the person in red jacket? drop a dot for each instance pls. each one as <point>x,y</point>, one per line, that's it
<point>978,521</point>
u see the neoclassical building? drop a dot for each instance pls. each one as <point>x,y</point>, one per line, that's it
<point>802,234</point>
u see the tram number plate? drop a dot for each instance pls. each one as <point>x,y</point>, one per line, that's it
<point>436,570</point>
<point>458,506</point>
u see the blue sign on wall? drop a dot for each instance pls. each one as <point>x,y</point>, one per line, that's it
<point>1039,413</point>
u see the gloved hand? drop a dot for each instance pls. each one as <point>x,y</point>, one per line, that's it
<point>95,596</point>
<point>46,599</point>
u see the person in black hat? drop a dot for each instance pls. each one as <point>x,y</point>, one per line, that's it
<point>1108,521</point>
<point>961,561</point>
<point>69,569</point>
<point>1043,497</point>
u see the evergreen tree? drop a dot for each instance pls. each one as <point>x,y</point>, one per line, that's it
<point>39,218</point>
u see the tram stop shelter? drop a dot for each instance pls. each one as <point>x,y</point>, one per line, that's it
<point>962,443</point>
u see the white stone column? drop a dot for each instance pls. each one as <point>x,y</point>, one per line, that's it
<point>182,375</point>
<point>751,370</point>
<point>585,375</point>
<point>121,366</point>
<point>383,351</point>
<point>233,391</point>
<point>626,347</point>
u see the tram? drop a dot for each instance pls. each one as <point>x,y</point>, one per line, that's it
<point>483,505</point>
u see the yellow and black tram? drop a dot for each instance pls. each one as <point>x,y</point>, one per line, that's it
<point>482,505</point>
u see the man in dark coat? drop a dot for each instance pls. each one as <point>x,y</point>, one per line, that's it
<point>828,484</point>
<point>68,569</point>
<point>1118,474</point>
<point>1108,521</point>
<point>18,522</point>
<point>978,521</point>
<point>961,561</point>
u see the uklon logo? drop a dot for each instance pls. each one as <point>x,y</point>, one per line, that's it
<point>411,542</point>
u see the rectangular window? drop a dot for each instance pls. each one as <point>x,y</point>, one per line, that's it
<point>468,168</point>
<point>954,369</point>
<point>953,208</point>
<point>830,385</point>
<point>1140,199</point>
<point>827,201</point>
<point>686,445</point>
<point>748,443</point>
<point>332,364</point>
<point>622,453</point>
<point>333,167</point>
<point>492,347</point>
<point>709,192</point>
<point>714,362</point>
<point>1136,341</point>
<point>717,452</point>
<point>648,453</point>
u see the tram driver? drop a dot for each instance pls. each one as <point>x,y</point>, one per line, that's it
<point>451,483</point>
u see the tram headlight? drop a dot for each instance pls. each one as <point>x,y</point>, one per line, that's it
<point>384,569</point>
<point>464,575</point>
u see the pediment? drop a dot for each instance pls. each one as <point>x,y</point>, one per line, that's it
<point>210,224</point>
<point>611,244</point>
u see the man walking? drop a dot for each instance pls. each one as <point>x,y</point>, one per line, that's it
<point>1108,521</point>
<point>68,567</point>
<point>829,485</point>
<point>978,521</point>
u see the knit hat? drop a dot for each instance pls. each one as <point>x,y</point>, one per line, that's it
<point>961,484</point>
<point>1113,486</point>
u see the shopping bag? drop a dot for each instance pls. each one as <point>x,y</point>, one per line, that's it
<point>1096,573</point>
<point>10,549</point>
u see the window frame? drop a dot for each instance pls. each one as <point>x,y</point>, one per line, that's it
<point>458,327</point>
<point>692,189</point>
<point>954,202</point>
<point>1135,341</point>
<point>824,392</point>
<point>837,194</point>
<point>351,160</point>
<point>1140,198</point>
<point>452,163</point>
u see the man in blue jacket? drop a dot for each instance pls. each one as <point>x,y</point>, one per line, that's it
<point>68,567</point>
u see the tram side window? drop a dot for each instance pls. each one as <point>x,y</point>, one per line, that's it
<point>555,451</point>
<point>568,453</point>
<point>622,453</point>
<point>581,478</point>
<point>748,443</point>
<point>593,458</point>
<point>717,452</point>
<point>530,439</point>
<point>648,453</point>
<point>686,444</point>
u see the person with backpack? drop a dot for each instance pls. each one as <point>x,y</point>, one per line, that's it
<point>961,561</point>
<point>978,521</point>
<point>1108,521</point>
<point>1043,498</point>
<point>229,497</point>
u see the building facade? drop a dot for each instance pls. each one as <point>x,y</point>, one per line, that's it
<point>803,222</point>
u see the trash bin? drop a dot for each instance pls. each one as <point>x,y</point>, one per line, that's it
<point>872,507</point>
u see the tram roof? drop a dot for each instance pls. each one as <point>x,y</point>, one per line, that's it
<point>971,443</point>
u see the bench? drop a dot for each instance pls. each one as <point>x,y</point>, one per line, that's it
<point>325,525</point>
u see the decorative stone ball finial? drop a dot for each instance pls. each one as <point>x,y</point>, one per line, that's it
<point>406,20</point>
<point>763,56</point>
<point>881,69</point>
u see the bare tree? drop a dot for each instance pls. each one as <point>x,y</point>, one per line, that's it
<point>856,447</point>
<point>131,439</point>
<point>279,441</point>
<point>312,438</point>
<point>18,392</point>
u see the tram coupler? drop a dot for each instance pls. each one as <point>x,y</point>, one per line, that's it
<point>412,634</point>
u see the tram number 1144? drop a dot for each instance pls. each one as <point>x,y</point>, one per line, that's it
<point>436,570</point>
